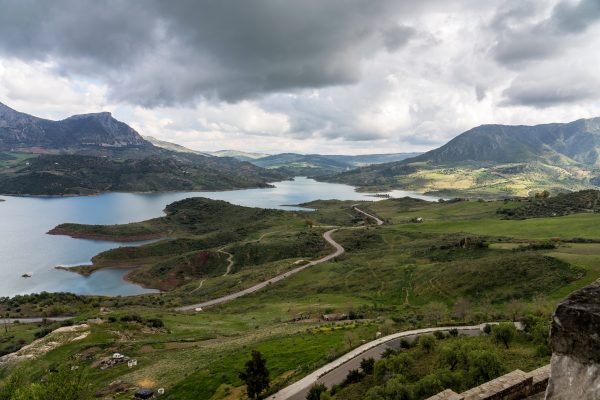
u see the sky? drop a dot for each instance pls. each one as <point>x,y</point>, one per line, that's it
<point>310,76</point>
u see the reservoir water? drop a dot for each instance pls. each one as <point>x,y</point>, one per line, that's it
<point>25,248</point>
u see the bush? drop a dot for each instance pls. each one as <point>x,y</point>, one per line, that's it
<point>427,343</point>
<point>315,392</point>
<point>367,365</point>
<point>42,332</point>
<point>439,335</point>
<point>155,323</point>
<point>504,333</point>
<point>453,332</point>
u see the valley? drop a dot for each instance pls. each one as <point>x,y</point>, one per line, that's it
<point>464,263</point>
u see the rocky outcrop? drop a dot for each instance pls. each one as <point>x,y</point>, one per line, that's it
<point>575,340</point>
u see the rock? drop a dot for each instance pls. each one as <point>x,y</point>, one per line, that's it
<point>575,341</point>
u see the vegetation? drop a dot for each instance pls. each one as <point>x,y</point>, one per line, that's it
<point>89,174</point>
<point>463,264</point>
<point>418,371</point>
<point>255,375</point>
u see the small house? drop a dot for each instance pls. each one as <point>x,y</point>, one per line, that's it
<point>117,356</point>
<point>132,363</point>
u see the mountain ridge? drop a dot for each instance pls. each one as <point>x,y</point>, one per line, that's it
<point>496,160</point>
<point>19,130</point>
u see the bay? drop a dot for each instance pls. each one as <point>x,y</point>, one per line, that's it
<point>25,248</point>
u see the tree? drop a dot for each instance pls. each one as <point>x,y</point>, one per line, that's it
<point>504,333</point>
<point>315,392</point>
<point>434,312</point>
<point>351,339</point>
<point>353,376</point>
<point>255,375</point>
<point>427,343</point>
<point>367,365</point>
<point>484,366</point>
<point>452,356</point>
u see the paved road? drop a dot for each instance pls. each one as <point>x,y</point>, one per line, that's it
<point>327,236</point>
<point>377,220</point>
<point>336,371</point>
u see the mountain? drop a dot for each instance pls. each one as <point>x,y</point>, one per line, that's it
<point>23,131</point>
<point>319,165</point>
<point>577,141</point>
<point>496,160</point>
<point>93,153</point>
<point>240,155</point>
<point>171,146</point>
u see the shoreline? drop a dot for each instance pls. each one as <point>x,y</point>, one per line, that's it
<point>57,231</point>
<point>268,185</point>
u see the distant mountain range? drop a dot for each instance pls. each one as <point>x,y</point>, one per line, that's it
<point>497,160</point>
<point>294,164</point>
<point>321,165</point>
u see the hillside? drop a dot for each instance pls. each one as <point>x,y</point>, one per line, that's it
<point>240,155</point>
<point>577,141</point>
<point>171,146</point>
<point>463,265</point>
<point>82,174</point>
<point>497,160</point>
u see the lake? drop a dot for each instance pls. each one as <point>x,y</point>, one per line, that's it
<point>26,248</point>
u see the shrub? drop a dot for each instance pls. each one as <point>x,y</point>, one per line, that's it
<point>427,343</point>
<point>315,392</point>
<point>439,335</point>
<point>42,332</point>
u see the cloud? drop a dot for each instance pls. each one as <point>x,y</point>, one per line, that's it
<point>349,76</point>
<point>523,36</point>
<point>152,52</point>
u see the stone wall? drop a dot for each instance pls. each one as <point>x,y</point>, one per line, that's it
<point>512,386</point>
<point>575,341</point>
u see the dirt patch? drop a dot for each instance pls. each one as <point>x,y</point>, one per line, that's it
<point>53,340</point>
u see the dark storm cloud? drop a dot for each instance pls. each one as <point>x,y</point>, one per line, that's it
<point>160,53</point>
<point>519,40</point>
<point>542,94</point>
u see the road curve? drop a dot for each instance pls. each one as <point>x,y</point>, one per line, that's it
<point>327,236</point>
<point>377,220</point>
<point>335,372</point>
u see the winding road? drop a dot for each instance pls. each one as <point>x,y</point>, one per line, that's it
<point>327,236</point>
<point>377,220</point>
<point>336,371</point>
